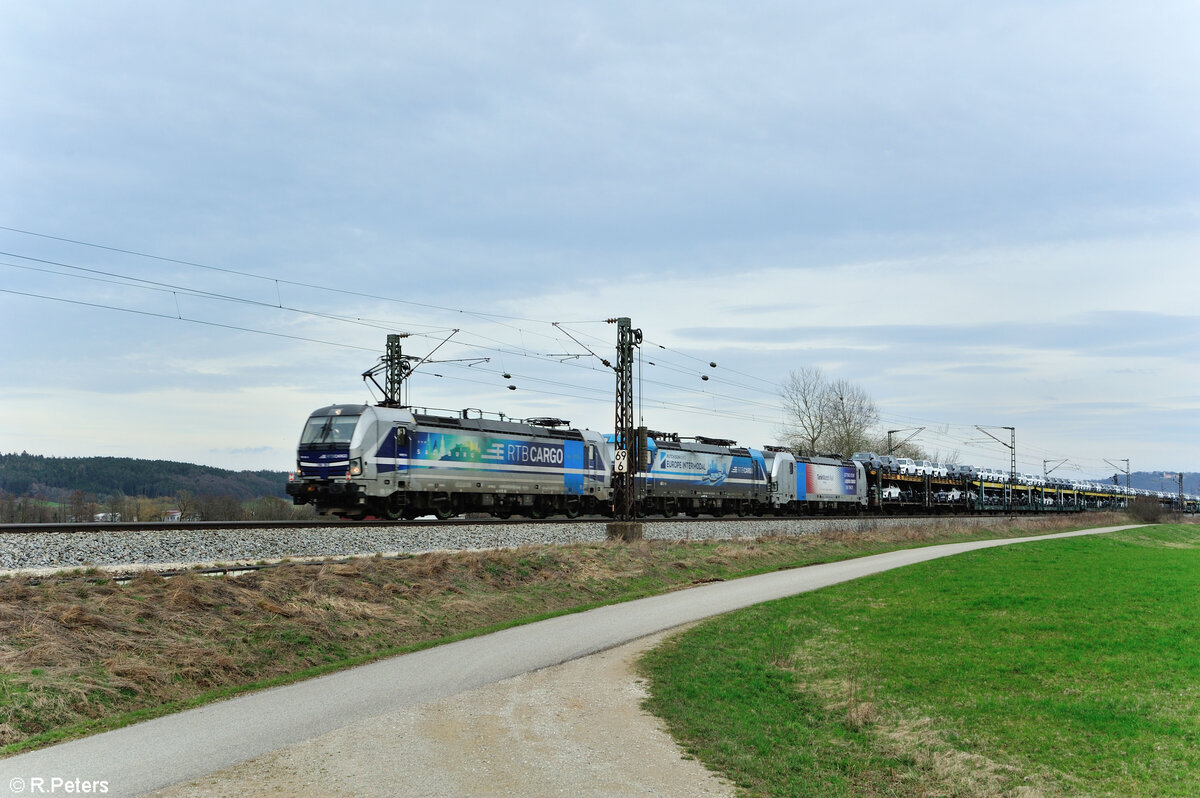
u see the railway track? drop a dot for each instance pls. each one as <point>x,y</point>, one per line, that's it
<point>102,526</point>
<point>223,547</point>
<point>329,523</point>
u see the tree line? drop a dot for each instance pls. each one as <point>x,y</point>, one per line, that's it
<point>80,507</point>
<point>40,489</point>
<point>25,474</point>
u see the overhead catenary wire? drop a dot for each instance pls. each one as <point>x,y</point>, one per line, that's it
<point>755,392</point>
<point>190,321</point>
<point>252,275</point>
<point>113,278</point>
<point>1029,455</point>
<point>177,290</point>
<point>566,390</point>
<point>274,280</point>
<point>598,395</point>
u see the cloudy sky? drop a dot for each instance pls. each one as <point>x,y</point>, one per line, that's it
<point>213,214</point>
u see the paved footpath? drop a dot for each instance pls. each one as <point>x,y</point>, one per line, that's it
<point>184,748</point>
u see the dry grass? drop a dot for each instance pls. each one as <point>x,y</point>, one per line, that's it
<point>74,648</point>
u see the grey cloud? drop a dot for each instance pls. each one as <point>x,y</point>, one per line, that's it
<point>470,155</point>
<point>1116,333</point>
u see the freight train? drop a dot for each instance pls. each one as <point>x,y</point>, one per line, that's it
<point>360,461</point>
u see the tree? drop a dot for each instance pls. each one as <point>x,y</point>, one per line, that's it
<point>268,508</point>
<point>826,417</point>
<point>116,507</point>
<point>141,509</point>
<point>78,511</point>
<point>805,401</point>
<point>187,505</point>
<point>853,414</point>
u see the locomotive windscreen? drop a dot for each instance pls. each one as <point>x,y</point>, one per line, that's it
<point>328,430</point>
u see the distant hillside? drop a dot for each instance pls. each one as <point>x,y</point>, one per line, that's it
<point>1154,480</point>
<point>57,477</point>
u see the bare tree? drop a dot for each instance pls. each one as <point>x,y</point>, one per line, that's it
<point>115,507</point>
<point>806,402</point>
<point>141,508</point>
<point>186,504</point>
<point>854,414</point>
<point>79,510</point>
<point>826,417</point>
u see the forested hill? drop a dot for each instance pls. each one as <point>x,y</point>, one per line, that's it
<point>31,474</point>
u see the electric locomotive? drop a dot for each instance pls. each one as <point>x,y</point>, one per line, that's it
<point>812,485</point>
<point>355,461</point>
<point>698,475</point>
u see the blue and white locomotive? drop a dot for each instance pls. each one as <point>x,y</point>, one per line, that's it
<point>811,485</point>
<point>702,475</point>
<point>355,461</point>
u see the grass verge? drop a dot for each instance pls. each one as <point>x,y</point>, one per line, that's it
<point>1062,667</point>
<point>79,654</point>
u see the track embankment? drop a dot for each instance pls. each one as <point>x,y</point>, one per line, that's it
<point>165,548</point>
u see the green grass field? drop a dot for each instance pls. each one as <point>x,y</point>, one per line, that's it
<point>1057,667</point>
<point>80,653</point>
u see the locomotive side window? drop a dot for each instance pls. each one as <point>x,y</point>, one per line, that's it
<point>329,430</point>
<point>401,436</point>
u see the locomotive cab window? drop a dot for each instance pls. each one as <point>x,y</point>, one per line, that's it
<point>328,431</point>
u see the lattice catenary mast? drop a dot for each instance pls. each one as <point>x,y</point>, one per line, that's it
<point>626,458</point>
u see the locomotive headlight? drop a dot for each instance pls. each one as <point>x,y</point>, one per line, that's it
<point>356,467</point>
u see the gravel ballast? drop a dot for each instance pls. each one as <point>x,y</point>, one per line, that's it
<point>167,547</point>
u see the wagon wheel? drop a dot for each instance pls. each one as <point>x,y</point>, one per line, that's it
<point>393,507</point>
<point>571,507</point>
<point>442,507</point>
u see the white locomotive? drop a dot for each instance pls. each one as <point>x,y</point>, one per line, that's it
<point>355,461</point>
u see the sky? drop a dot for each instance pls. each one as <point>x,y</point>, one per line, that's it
<point>212,215</point>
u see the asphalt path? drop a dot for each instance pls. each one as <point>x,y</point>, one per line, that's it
<point>158,753</point>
